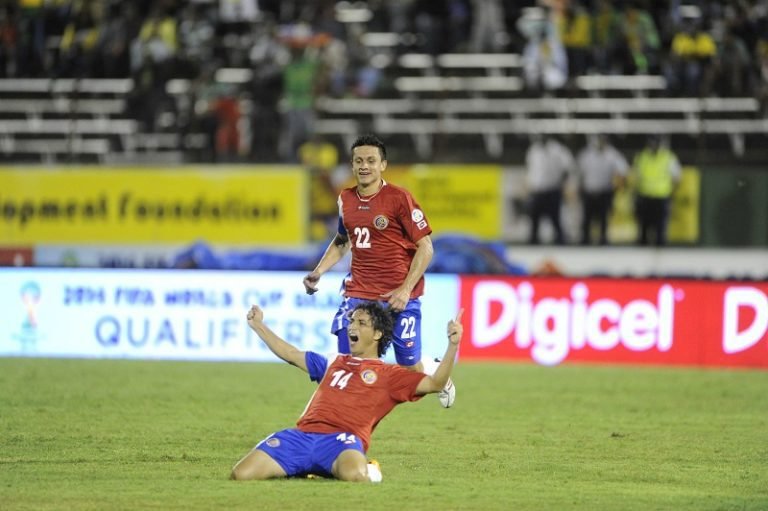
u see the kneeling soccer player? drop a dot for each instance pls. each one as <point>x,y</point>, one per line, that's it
<point>355,392</point>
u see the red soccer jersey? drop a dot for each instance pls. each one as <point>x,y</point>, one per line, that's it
<point>383,230</point>
<point>355,394</point>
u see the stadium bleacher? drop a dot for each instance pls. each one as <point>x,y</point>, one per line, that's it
<point>46,120</point>
<point>476,101</point>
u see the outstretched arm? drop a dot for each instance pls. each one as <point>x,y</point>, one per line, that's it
<point>436,382</point>
<point>279,347</point>
<point>333,254</point>
<point>398,298</point>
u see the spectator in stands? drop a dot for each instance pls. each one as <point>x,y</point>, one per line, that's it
<point>196,37</point>
<point>459,22</point>
<point>267,57</point>
<point>217,112</point>
<point>324,20</point>
<point>321,158</point>
<point>399,15</point>
<point>8,38</point>
<point>746,20</point>
<point>761,89</point>
<point>606,24</point>
<point>488,33</point>
<point>121,28</point>
<point>199,115</point>
<point>362,76</point>
<point>31,43</point>
<point>732,68</point>
<point>335,57</point>
<point>78,48</point>
<point>601,169</point>
<point>548,164</point>
<point>688,70</point>
<point>155,48</point>
<point>641,44</point>
<point>431,22</point>
<point>575,28</point>
<point>656,172</point>
<point>300,86</point>
<point>545,63</point>
<point>153,54</point>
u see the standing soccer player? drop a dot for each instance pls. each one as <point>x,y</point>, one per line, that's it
<point>354,393</point>
<point>389,236</point>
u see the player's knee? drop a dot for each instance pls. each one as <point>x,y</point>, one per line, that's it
<point>350,466</point>
<point>241,472</point>
<point>353,474</point>
<point>237,474</point>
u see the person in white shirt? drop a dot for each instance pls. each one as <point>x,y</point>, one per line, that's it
<point>548,162</point>
<point>601,170</point>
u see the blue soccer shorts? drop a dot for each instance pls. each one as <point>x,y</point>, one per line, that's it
<point>301,453</point>
<point>407,330</point>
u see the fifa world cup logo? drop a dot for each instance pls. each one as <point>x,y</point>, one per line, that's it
<point>30,297</point>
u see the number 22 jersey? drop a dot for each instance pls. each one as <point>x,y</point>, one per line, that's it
<point>383,229</point>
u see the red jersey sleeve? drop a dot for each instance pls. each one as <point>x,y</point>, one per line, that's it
<point>412,218</point>
<point>403,383</point>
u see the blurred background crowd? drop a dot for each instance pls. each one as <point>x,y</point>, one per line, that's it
<point>608,109</point>
<point>289,53</point>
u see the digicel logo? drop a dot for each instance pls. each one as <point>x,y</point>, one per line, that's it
<point>736,337</point>
<point>552,327</point>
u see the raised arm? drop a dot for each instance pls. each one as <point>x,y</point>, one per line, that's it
<point>279,347</point>
<point>337,249</point>
<point>436,382</point>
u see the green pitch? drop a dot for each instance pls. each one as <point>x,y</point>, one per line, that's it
<point>106,435</point>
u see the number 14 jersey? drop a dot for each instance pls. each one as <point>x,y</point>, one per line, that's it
<point>354,394</point>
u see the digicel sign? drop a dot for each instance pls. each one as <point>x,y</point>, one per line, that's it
<point>616,321</point>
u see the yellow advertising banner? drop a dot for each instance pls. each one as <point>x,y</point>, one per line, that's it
<point>234,205</point>
<point>464,199</point>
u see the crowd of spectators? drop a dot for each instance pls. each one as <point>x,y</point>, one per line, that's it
<point>299,49</point>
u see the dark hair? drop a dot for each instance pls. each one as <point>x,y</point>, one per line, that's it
<point>381,320</point>
<point>372,140</point>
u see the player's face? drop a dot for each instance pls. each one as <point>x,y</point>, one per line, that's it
<point>367,165</point>
<point>362,336</point>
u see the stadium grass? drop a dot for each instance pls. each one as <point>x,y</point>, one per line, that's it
<point>104,435</point>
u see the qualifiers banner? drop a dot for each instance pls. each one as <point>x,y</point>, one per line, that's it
<point>236,205</point>
<point>551,321</point>
<point>178,314</point>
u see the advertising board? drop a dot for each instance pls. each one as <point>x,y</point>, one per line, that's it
<point>551,321</point>
<point>178,314</point>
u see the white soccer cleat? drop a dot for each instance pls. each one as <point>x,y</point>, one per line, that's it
<point>374,472</point>
<point>447,396</point>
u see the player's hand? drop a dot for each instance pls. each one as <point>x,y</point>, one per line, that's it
<point>397,298</point>
<point>455,328</point>
<point>255,316</point>
<point>310,282</point>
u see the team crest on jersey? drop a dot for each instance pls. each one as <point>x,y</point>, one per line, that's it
<point>417,216</point>
<point>273,442</point>
<point>380,222</point>
<point>369,376</point>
